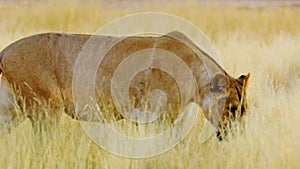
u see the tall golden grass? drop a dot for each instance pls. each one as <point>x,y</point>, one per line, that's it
<point>263,41</point>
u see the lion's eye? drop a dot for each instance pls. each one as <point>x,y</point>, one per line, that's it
<point>233,109</point>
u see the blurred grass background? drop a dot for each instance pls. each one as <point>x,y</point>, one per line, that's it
<point>262,40</point>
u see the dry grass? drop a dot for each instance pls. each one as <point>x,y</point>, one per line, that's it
<point>263,41</point>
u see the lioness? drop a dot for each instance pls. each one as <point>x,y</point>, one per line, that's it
<point>41,66</point>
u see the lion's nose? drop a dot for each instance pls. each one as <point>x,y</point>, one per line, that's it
<point>219,136</point>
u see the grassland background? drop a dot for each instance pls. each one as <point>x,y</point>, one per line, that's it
<point>263,41</point>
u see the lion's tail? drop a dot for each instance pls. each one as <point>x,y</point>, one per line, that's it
<point>1,63</point>
<point>1,56</point>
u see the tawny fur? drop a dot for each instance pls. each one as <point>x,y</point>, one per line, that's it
<point>42,66</point>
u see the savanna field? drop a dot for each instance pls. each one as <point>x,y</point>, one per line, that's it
<point>264,41</point>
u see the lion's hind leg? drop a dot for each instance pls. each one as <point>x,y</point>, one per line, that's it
<point>9,114</point>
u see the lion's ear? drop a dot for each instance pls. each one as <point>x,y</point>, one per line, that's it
<point>219,83</point>
<point>243,79</point>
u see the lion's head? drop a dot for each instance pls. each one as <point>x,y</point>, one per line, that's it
<point>232,100</point>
